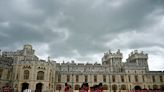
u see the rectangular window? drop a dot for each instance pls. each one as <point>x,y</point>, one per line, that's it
<point>153,78</point>
<point>77,78</point>
<point>1,71</point>
<point>104,78</point>
<point>68,78</point>
<point>95,78</point>
<point>143,78</point>
<point>86,78</point>
<point>122,79</point>
<point>8,74</point>
<point>113,78</point>
<point>129,78</point>
<point>136,78</point>
<point>59,78</point>
<point>161,79</point>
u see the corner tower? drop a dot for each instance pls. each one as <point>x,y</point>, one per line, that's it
<point>139,59</point>
<point>113,60</point>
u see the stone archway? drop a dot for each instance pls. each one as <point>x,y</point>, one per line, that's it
<point>137,87</point>
<point>38,87</point>
<point>24,86</point>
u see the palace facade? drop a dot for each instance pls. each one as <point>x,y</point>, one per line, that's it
<point>22,68</point>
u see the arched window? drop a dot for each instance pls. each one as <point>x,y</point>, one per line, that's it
<point>155,87</point>
<point>77,87</point>
<point>58,87</point>
<point>114,87</point>
<point>123,87</point>
<point>40,75</point>
<point>26,74</point>
<point>105,87</point>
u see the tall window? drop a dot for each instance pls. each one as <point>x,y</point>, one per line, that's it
<point>40,75</point>
<point>113,78</point>
<point>26,74</point>
<point>153,78</point>
<point>143,78</point>
<point>104,78</point>
<point>86,78</point>
<point>1,71</point>
<point>129,78</point>
<point>59,78</point>
<point>8,74</point>
<point>161,79</point>
<point>95,78</point>
<point>68,78</point>
<point>122,79</point>
<point>136,78</point>
<point>77,78</point>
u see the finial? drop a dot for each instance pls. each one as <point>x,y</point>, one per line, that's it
<point>48,58</point>
<point>118,51</point>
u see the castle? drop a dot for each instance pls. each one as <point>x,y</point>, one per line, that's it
<point>22,68</point>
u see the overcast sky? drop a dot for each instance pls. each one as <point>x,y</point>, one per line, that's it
<point>82,30</point>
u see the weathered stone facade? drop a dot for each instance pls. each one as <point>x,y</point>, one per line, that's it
<point>23,68</point>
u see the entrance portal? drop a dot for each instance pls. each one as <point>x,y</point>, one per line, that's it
<point>137,88</point>
<point>24,86</point>
<point>39,87</point>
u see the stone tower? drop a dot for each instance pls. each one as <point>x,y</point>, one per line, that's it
<point>139,59</point>
<point>114,60</point>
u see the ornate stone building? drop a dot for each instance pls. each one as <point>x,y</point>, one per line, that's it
<point>22,68</point>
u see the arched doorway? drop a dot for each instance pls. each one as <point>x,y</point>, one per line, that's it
<point>137,88</point>
<point>24,86</point>
<point>38,87</point>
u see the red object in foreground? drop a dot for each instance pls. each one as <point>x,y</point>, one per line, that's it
<point>6,89</point>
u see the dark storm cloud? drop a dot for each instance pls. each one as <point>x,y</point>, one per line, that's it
<point>82,28</point>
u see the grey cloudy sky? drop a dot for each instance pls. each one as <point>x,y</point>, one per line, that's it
<point>84,29</point>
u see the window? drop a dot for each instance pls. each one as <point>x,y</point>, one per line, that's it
<point>68,78</point>
<point>58,87</point>
<point>8,74</point>
<point>123,87</point>
<point>105,87</point>
<point>129,78</point>
<point>114,87</point>
<point>113,78</point>
<point>77,87</point>
<point>136,78</point>
<point>26,74</point>
<point>143,78</point>
<point>95,78</point>
<point>161,79</point>
<point>40,75</point>
<point>122,79</point>
<point>104,78</point>
<point>86,78</point>
<point>153,78</point>
<point>77,78</point>
<point>1,71</point>
<point>59,78</point>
